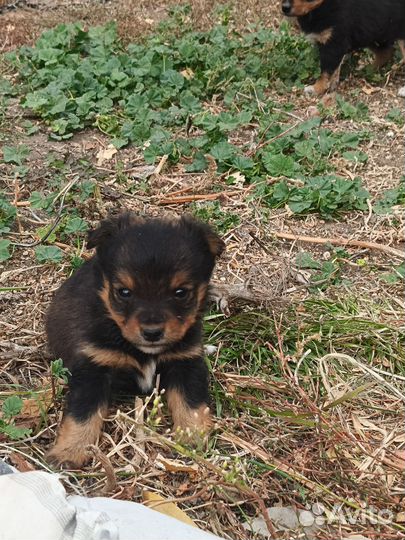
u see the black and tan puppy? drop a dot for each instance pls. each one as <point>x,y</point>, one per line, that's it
<point>131,312</point>
<point>342,26</point>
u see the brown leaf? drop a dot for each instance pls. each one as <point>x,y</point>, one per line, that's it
<point>156,502</point>
<point>105,154</point>
<point>20,463</point>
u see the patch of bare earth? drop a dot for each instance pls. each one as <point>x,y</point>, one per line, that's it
<point>361,457</point>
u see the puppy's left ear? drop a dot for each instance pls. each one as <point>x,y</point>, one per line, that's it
<point>215,244</point>
<point>109,228</point>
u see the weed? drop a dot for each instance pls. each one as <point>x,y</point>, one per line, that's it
<point>326,195</point>
<point>51,254</point>
<point>212,211</point>
<point>390,198</point>
<point>11,407</point>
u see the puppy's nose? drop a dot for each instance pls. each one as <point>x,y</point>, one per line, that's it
<point>152,334</point>
<point>286,7</point>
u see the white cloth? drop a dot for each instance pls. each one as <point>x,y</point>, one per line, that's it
<point>34,506</point>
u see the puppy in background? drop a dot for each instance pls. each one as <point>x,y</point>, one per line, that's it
<point>339,27</point>
<point>133,311</point>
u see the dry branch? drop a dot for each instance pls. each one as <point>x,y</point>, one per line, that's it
<point>341,242</point>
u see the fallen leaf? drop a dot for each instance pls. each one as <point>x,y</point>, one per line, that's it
<point>36,406</point>
<point>400,517</point>
<point>156,502</point>
<point>172,465</point>
<point>20,463</point>
<point>187,73</point>
<point>105,154</point>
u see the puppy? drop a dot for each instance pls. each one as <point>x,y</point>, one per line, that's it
<point>342,26</point>
<point>133,311</point>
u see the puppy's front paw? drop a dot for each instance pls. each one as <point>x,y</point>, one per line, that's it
<point>194,426</point>
<point>68,457</point>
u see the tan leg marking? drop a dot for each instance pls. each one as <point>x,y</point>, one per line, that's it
<point>401,44</point>
<point>382,57</point>
<point>325,83</point>
<point>73,438</point>
<point>184,416</point>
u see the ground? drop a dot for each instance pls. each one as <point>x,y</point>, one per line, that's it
<point>307,368</point>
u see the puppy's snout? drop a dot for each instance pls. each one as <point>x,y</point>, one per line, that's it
<point>152,334</point>
<point>286,7</point>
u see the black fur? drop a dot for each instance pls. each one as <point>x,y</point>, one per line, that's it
<point>355,24</point>
<point>88,311</point>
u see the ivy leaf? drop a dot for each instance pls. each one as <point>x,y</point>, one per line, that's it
<point>4,250</point>
<point>51,254</point>
<point>15,154</point>
<point>11,407</point>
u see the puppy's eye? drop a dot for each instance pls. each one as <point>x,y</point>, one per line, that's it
<point>181,293</point>
<point>124,293</point>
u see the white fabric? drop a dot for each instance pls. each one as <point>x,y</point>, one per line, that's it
<point>34,506</point>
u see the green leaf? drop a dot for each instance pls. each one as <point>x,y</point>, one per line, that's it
<point>357,157</point>
<point>223,151</point>
<point>4,250</point>
<point>14,432</point>
<point>51,254</point>
<point>305,260</point>
<point>76,225</point>
<point>11,407</point>
<point>15,154</point>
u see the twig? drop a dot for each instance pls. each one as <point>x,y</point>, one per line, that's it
<point>198,197</point>
<point>111,484</point>
<point>341,242</point>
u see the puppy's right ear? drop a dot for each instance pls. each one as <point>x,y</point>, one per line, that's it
<point>109,228</point>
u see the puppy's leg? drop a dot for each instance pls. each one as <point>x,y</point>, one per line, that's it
<point>382,55</point>
<point>331,56</point>
<point>186,385</point>
<point>89,390</point>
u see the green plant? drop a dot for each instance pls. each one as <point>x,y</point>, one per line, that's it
<point>51,254</point>
<point>4,249</point>
<point>15,154</point>
<point>11,408</point>
<point>211,211</point>
<point>327,195</point>
<point>390,198</point>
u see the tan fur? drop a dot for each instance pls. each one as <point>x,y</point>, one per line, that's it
<point>193,352</point>
<point>184,416</point>
<point>74,437</point>
<point>322,38</point>
<point>180,279</point>
<point>126,280</point>
<point>110,358</point>
<point>303,7</point>
<point>401,44</point>
<point>105,297</point>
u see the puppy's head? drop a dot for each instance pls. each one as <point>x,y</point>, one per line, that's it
<point>155,276</point>
<point>298,8</point>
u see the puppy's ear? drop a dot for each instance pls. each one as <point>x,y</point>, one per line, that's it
<point>109,228</point>
<point>215,244</point>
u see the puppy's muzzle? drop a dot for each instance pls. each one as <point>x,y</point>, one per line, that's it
<point>152,335</point>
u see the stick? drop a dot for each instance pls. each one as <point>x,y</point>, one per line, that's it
<point>198,197</point>
<point>341,242</point>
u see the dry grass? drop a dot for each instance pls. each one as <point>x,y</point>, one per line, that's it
<point>293,427</point>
